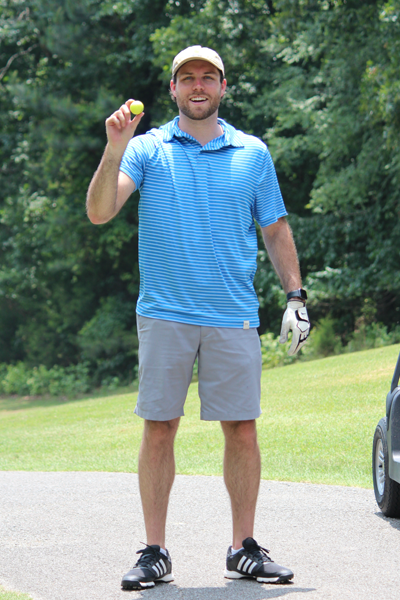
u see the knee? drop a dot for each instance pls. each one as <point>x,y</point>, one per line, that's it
<point>161,433</point>
<point>243,433</point>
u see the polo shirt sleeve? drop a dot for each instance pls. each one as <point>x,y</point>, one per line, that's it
<point>268,205</point>
<point>135,158</point>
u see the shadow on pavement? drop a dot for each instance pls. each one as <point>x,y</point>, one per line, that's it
<point>238,590</point>
<point>395,523</point>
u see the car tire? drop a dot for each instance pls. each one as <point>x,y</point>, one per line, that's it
<point>387,491</point>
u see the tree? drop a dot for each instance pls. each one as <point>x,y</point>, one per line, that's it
<point>67,66</point>
<point>315,79</point>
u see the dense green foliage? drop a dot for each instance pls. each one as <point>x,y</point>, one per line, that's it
<point>317,80</point>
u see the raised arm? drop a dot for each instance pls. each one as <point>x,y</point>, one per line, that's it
<point>110,188</point>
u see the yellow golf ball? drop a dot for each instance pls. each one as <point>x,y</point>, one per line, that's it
<point>137,107</point>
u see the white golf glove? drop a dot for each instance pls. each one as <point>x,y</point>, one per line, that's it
<point>295,319</point>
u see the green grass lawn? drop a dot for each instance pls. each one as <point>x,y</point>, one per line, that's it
<point>7,595</point>
<point>317,426</point>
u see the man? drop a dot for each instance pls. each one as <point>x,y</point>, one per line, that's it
<point>202,184</point>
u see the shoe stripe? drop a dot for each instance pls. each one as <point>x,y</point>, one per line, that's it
<point>157,570</point>
<point>161,568</point>
<point>242,560</point>
<point>247,564</point>
<point>250,569</point>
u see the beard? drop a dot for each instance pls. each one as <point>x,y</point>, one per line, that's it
<point>186,108</point>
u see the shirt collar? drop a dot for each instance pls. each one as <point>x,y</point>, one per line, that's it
<point>230,137</point>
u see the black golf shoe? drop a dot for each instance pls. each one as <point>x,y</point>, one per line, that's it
<point>151,567</point>
<point>253,561</point>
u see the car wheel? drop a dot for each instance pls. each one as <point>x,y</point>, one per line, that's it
<point>387,491</point>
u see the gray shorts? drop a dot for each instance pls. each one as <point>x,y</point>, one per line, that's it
<point>229,368</point>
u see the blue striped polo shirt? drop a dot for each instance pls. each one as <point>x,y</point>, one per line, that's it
<point>197,211</point>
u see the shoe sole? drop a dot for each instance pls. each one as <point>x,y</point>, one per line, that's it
<point>140,585</point>
<point>279,579</point>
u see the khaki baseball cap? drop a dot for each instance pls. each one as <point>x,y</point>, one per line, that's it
<point>197,53</point>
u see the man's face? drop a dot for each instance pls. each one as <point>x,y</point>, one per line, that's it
<point>198,89</point>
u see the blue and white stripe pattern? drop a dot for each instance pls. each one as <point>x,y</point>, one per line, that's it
<point>197,236</point>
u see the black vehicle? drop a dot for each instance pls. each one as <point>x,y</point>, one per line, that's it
<point>386,452</point>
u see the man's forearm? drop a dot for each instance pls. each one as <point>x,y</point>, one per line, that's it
<point>281,248</point>
<point>101,200</point>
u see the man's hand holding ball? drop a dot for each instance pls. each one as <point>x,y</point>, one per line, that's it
<point>119,126</point>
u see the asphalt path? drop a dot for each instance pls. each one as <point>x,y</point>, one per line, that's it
<point>71,536</point>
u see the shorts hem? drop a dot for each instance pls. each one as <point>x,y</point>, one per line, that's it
<point>143,414</point>
<point>246,417</point>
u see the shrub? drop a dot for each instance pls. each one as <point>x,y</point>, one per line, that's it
<point>14,380</point>
<point>109,342</point>
<point>273,353</point>
<point>323,340</point>
<point>374,335</point>
<point>58,381</point>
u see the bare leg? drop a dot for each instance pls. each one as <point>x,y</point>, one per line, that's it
<point>156,476</point>
<point>242,471</point>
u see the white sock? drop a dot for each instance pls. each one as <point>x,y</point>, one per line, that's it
<point>163,551</point>
<point>235,551</point>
